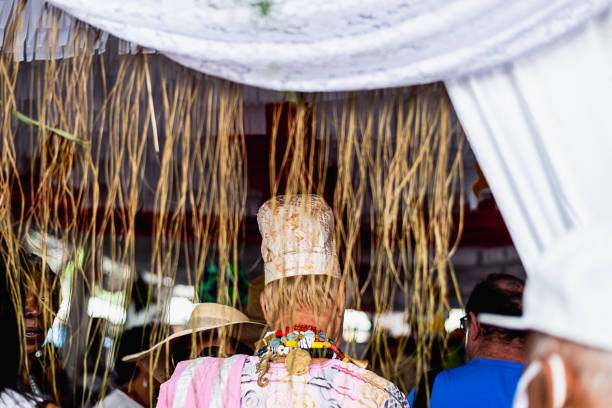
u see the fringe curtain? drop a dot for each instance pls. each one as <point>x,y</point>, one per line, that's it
<point>95,150</point>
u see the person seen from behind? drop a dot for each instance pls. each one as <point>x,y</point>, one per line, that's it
<point>300,361</point>
<point>495,355</point>
<point>132,380</point>
<point>567,313</point>
<point>212,330</point>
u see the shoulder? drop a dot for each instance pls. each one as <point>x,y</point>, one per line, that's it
<point>477,371</point>
<point>182,375</point>
<point>187,366</point>
<point>367,379</point>
<point>183,365</point>
<point>482,366</point>
<point>459,375</point>
<point>208,366</point>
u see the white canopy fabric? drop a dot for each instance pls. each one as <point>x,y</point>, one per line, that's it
<point>529,79</point>
<point>322,45</point>
<point>541,129</point>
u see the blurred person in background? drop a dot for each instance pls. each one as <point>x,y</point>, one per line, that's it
<point>299,362</point>
<point>569,350</point>
<point>43,375</point>
<point>212,330</point>
<point>132,379</point>
<point>140,373</point>
<point>205,333</point>
<point>14,361</point>
<point>565,373</point>
<point>495,355</point>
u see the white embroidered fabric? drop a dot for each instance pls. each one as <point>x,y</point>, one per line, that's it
<point>322,45</point>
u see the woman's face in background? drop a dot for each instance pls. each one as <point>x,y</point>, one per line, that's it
<point>34,330</point>
<point>38,308</point>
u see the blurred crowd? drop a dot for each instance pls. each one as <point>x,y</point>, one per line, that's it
<point>288,350</point>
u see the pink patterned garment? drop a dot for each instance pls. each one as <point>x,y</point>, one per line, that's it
<point>204,382</point>
<point>330,384</point>
<point>214,383</point>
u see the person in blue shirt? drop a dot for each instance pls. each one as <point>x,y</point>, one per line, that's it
<point>495,355</point>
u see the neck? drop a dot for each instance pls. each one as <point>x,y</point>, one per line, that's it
<point>322,323</point>
<point>25,373</point>
<point>512,352</point>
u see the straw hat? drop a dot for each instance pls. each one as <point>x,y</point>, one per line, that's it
<point>297,237</point>
<point>567,293</point>
<point>209,316</point>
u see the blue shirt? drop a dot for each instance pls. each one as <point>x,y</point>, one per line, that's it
<point>482,382</point>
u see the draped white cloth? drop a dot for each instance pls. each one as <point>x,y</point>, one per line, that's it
<point>538,123</point>
<point>34,40</point>
<point>322,45</point>
<point>541,129</point>
<point>531,81</point>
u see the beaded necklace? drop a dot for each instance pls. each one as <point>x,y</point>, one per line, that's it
<point>34,387</point>
<point>299,345</point>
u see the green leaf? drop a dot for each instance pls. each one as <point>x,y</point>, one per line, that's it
<point>264,7</point>
<point>62,133</point>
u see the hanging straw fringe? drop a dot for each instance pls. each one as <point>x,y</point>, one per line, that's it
<point>399,173</point>
<point>59,132</point>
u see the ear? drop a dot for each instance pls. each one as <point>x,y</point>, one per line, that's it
<point>262,302</point>
<point>551,387</point>
<point>475,329</point>
<point>539,391</point>
<point>557,380</point>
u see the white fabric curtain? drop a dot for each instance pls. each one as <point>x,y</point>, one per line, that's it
<point>322,45</point>
<point>541,129</point>
<point>537,113</point>
<point>539,123</point>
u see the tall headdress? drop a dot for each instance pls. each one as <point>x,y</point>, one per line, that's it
<point>297,237</point>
